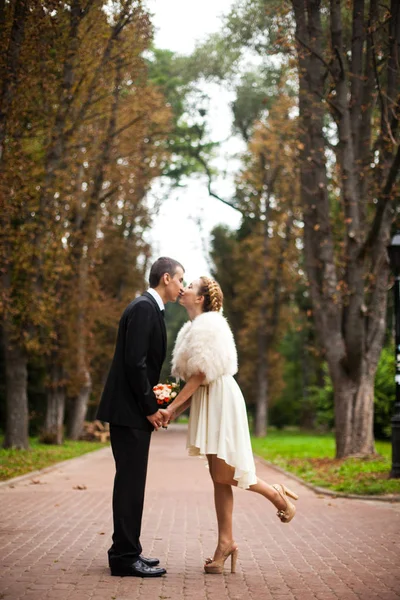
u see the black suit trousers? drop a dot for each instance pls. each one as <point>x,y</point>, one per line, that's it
<point>130,449</point>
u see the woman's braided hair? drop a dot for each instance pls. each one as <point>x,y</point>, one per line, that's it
<point>213,296</point>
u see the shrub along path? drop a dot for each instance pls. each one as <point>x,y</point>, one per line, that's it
<point>55,533</point>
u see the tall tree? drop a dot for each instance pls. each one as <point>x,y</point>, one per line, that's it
<point>349,71</point>
<point>13,24</point>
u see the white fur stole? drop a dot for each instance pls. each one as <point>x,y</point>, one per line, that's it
<point>205,345</point>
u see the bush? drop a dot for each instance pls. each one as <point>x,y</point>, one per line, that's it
<point>385,393</point>
<point>384,397</point>
<point>322,398</point>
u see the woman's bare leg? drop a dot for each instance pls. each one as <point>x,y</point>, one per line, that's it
<point>223,499</point>
<point>266,490</point>
<point>222,476</point>
<point>224,473</point>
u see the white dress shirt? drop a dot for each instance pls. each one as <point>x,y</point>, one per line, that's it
<point>157,298</point>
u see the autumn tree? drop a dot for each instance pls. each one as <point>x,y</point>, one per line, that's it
<point>17,203</point>
<point>84,140</point>
<point>264,256</point>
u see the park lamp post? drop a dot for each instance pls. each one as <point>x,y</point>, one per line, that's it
<point>394,257</point>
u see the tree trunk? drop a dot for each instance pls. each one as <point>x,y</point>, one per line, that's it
<point>79,403</point>
<point>260,428</point>
<point>53,430</point>
<point>78,409</point>
<point>266,326</point>
<point>307,410</point>
<point>16,435</point>
<point>354,415</point>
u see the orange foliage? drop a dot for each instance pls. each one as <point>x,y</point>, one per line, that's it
<point>267,256</point>
<point>85,140</point>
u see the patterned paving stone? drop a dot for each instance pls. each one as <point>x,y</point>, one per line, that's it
<point>54,537</point>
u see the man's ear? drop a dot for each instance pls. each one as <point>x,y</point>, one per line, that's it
<point>166,278</point>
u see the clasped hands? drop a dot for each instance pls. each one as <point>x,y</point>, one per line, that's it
<point>161,418</point>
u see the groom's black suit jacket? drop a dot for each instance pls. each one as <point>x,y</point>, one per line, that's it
<point>139,354</point>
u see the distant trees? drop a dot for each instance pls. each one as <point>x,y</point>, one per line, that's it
<point>265,258</point>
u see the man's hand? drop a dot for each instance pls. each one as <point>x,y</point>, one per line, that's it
<point>156,419</point>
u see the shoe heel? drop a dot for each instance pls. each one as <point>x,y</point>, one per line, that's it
<point>290,493</point>
<point>234,556</point>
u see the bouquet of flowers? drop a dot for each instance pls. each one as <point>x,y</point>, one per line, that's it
<point>165,393</point>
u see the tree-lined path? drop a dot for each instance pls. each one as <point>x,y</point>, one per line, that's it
<point>54,537</point>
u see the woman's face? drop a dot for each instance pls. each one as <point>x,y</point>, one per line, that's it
<point>190,295</point>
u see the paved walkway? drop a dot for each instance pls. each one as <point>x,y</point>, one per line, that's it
<point>54,537</point>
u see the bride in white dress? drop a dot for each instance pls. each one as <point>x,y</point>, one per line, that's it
<point>205,358</point>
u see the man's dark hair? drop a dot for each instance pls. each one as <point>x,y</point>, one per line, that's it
<point>161,266</point>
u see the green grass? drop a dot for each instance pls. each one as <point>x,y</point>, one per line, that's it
<point>182,419</point>
<point>18,462</point>
<point>312,457</point>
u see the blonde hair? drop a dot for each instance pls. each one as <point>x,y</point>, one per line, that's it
<point>213,296</point>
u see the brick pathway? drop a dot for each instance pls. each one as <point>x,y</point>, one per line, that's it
<point>54,537</point>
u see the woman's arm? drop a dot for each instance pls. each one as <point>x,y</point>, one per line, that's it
<point>181,409</point>
<point>191,386</point>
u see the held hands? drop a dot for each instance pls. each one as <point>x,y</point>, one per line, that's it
<point>156,419</point>
<point>161,418</point>
<point>167,416</point>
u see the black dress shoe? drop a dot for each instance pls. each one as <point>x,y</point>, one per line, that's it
<point>150,562</point>
<point>138,569</point>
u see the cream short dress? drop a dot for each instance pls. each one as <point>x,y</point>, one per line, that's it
<point>218,420</point>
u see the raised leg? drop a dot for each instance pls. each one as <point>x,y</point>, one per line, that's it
<point>223,473</point>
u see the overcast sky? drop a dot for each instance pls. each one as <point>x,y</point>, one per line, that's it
<point>181,228</point>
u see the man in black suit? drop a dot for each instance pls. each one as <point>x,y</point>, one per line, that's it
<point>129,405</point>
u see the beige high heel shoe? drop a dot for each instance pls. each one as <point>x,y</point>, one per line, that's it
<point>217,566</point>
<point>286,515</point>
